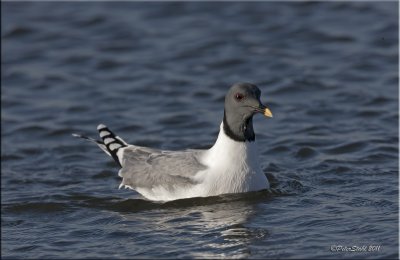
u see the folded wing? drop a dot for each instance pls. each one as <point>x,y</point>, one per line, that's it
<point>148,168</point>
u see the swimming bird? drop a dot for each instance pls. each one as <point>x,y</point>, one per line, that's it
<point>231,165</point>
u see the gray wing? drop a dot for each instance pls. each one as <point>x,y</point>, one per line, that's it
<point>145,168</point>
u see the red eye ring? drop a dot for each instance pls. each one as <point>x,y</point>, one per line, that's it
<point>239,96</point>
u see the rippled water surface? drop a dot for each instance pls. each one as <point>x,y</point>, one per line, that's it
<point>157,73</point>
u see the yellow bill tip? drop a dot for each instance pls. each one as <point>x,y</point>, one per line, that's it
<point>267,112</point>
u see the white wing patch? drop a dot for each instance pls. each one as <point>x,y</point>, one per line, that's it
<point>104,133</point>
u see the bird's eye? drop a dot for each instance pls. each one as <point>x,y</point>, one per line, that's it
<point>239,96</point>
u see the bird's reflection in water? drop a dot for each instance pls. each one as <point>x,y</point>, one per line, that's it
<point>211,227</point>
<point>231,236</point>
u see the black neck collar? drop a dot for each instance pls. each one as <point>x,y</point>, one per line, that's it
<point>246,132</point>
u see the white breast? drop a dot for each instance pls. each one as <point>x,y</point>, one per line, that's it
<point>233,167</point>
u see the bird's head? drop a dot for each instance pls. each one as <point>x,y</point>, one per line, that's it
<point>242,102</point>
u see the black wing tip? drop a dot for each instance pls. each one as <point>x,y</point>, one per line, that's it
<point>101,127</point>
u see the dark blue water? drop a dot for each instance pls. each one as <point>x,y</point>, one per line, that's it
<point>157,73</point>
